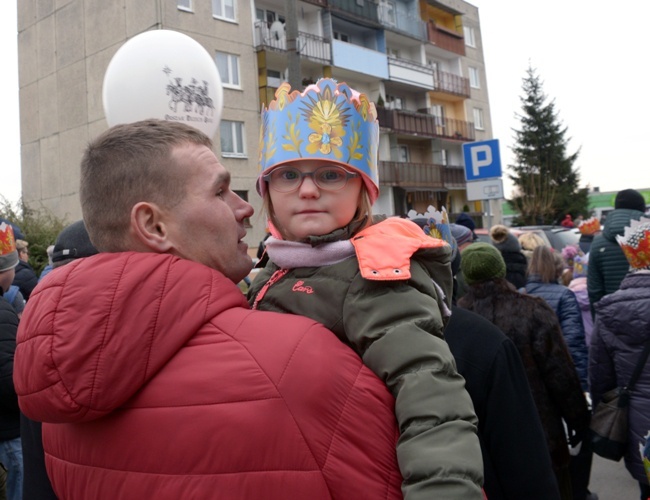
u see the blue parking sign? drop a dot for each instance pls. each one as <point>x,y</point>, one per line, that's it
<point>482,160</point>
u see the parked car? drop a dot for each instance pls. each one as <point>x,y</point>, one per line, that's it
<point>557,237</point>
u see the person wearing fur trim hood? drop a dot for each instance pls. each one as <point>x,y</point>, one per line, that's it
<point>621,330</point>
<point>380,284</point>
<point>508,245</point>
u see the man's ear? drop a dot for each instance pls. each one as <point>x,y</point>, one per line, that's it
<point>149,228</point>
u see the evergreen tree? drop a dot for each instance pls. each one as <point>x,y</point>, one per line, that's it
<point>544,176</point>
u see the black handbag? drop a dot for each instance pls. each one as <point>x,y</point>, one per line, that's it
<point>609,422</point>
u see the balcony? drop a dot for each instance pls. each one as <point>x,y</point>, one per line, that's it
<point>410,72</point>
<point>359,59</point>
<point>453,177</point>
<point>401,23</point>
<point>310,46</point>
<point>411,175</point>
<point>445,39</point>
<point>425,125</point>
<point>365,12</point>
<point>448,83</point>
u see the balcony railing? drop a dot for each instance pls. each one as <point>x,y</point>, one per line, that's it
<point>406,174</point>
<point>366,11</point>
<point>445,39</point>
<point>310,46</point>
<point>425,124</point>
<point>454,176</point>
<point>451,84</point>
<point>391,19</point>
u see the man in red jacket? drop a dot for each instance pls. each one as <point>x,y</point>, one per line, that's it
<point>152,376</point>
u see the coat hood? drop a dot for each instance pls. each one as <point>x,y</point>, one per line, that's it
<point>100,328</point>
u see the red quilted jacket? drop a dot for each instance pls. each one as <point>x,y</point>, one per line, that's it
<point>155,380</point>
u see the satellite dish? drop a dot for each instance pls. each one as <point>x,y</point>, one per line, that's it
<point>277,30</point>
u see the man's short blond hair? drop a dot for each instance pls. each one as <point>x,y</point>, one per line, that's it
<point>126,165</point>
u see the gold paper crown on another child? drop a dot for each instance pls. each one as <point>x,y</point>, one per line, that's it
<point>589,226</point>
<point>635,243</point>
<point>7,240</point>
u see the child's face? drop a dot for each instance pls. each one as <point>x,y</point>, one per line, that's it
<point>313,211</point>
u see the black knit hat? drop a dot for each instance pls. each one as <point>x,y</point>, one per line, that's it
<point>73,243</point>
<point>482,262</point>
<point>630,199</point>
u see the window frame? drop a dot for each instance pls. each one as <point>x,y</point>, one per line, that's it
<point>479,121</point>
<point>188,8</point>
<point>469,36</point>
<point>222,15</point>
<point>229,62</point>
<point>474,77</point>
<point>236,127</point>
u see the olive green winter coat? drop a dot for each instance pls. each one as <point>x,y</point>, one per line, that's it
<point>394,322</point>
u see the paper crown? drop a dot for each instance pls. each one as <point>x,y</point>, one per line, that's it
<point>8,252</point>
<point>589,226</point>
<point>437,225</point>
<point>580,266</point>
<point>327,121</point>
<point>635,243</point>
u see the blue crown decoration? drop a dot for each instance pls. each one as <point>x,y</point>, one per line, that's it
<point>328,121</point>
<point>437,225</point>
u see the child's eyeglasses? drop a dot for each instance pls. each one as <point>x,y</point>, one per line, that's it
<point>328,178</point>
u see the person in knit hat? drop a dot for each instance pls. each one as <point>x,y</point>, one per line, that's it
<point>531,324</point>
<point>607,264</point>
<point>377,282</point>
<point>11,455</point>
<point>508,244</point>
<point>621,329</point>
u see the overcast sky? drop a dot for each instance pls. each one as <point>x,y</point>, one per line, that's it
<point>590,57</point>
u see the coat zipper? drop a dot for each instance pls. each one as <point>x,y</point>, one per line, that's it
<point>276,276</point>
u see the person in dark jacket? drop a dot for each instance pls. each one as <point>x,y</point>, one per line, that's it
<point>589,229</point>
<point>496,381</point>
<point>465,220</point>
<point>26,279</point>
<point>607,263</point>
<point>543,272</point>
<point>71,244</point>
<point>531,325</point>
<point>621,329</point>
<point>10,449</point>
<point>508,244</point>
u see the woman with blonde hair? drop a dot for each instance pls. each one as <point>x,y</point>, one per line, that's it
<point>529,241</point>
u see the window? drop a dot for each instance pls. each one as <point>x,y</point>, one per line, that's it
<point>228,66</point>
<point>344,37</point>
<point>387,12</point>
<point>185,5</point>
<point>224,9</point>
<point>244,196</point>
<point>269,16</point>
<point>403,153</point>
<point>394,102</point>
<point>470,41</point>
<point>438,111</point>
<point>232,138</point>
<point>440,157</point>
<point>474,80</point>
<point>478,119</point>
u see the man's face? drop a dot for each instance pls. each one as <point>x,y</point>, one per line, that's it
<point>207,226</point>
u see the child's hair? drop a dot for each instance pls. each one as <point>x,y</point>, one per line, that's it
<point>544,264</point>
<point>363,215</point>
<point>530,240</point>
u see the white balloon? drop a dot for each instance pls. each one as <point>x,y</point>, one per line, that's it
<point>166,75</point>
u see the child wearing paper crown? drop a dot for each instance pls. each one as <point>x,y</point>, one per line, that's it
<point>380,284</point>
<point>621,328</point>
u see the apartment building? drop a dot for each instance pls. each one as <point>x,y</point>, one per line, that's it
<point>421,61</point>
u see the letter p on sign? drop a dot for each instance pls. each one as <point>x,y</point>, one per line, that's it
<point>481,157</point>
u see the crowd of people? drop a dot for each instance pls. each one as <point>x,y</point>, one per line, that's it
<point>372,357</point>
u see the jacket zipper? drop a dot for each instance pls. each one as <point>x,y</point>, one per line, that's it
<point>276,276</point>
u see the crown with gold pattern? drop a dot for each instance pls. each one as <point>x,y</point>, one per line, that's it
<point>437,225</point>
<point>635,243</point>
<point>589,226</point>
<point>327,121</point>
<point>8,252</point>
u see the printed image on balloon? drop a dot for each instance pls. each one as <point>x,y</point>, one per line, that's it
<point>166,75</point>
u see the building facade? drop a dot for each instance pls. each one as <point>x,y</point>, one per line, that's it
<point>420,61</point>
